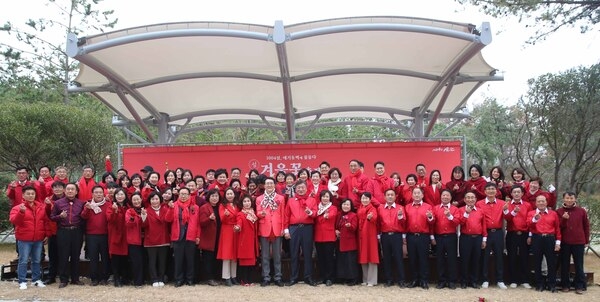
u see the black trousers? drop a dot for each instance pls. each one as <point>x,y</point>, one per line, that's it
<point>210,265</point>
<point>183,253</point>
<point>470,254</point>
<point>69,242</point>
<point>391,248</point>
<point>120,265</point>
<point>98,249</point>
<point>495,243</point>
<point>326,259</point>
<point>418,256</point>
<point>446,257</point>
<point>544,246</point>
<point>136,257</point>
<point>52,257</point>
<point>301,237</point>
<point>518,257</point>
<point>157,262</point>
<point>566,251</point>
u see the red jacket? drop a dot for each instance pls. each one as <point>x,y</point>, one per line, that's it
<point>550,198</point>
<point>173,215</point>
<point>31,225</point>
<point>133,225</point>
<point>479,184</point>
<point>368,251</point>
<point>432,197</point>
<point>209,236</point>
<point>416,218</point>
<point>379,185</point>
<point>85,189</point>
<point>348,234</point>
<point>96,224</point>
<point>576,229</point>
<point>156,227</point>
<point>494,214</point>
<point>388,219</point>
<point>407,192</point>
<point>325,227</point>
<point>14,192</point>
<point>247,248</point>
<point>474,224</point>
<point>311,189</point>
<point>358,181</point>
<point>443,225</point>
<point>548,223</point>
<point>272,222</point>
<point>458,189</point>
<point>117,240</point>
<point>517,222</point>
<point>295,211</point>
<point>228,239</point>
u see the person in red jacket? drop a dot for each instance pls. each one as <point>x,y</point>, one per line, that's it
<point>117,241</point>
<point>392,224</point>
<point>380,183</point>
<point>280,183</point>
<point>433,190</point>
<point>473,238</point>
<point>575,231</point>
<point>476,181</point>
<point>30,221</point>
<point>368,252</point>
<point>300,212</point>
<point>228,239</point>
<point>221,182</point>
<point>134,218</point>
<point>14,190</point>
<point>347,256</point>
<point>420,220</point>
<point>151,185</point>
<point>535,190</point>
<point>457,186</point>
<point>325,237</point>
<point>185,236</point>
<point>86,183</point>
<point>336,186</point>
<point>408,187</point>
<point>544,226</point>
<point>96,235</point>
<point>515,214</point>
<point>315,187</point>
<point>210,224</point>
<point>270,211</point>
<point>247,249</point>
<point>156,238</point>
<point>421,172</point>
<point>445,240</point>
<point>356,183</point>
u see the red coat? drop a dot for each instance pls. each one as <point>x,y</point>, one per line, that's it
<point>228,240</point>
<point>407,192</point>
<point>208,235</point>
<point>550,198</point>
<point>325,227</point>
<point>85,189</point>
<point>432,197</point>
<point>348,234</point>
<point>311,189</point>
<point>173,215</point>
<point>479,184</point>
<point>96,224</point>
<point>156,227</point>
<point>133,226</point>
<point>14,192</point>
<point>380,184</point>
<point>458,193</point>
<point>368,251</point>
<point>31,225</point>
<point>272,222</point>
<point>117,240</point>
<point>295,211</point>
<point>247,249</point>
<point>358,181</point>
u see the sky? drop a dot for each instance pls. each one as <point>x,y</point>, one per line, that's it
<point>508,52</point>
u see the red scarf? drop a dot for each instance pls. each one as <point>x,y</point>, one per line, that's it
<point>185,213</point>
<point>355,177</point>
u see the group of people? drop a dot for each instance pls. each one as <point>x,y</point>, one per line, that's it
<point>229,221</point>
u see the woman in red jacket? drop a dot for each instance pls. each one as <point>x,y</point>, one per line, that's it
<point>407,189</point>
<point>476,182</point>
<point>134,218</point>
<point>433,192</point>
<point>368,252</point>
<point>228,239</point>
<point>156,238</point>
<point>336,185</point>
<point>31,228</point>
<point>150,186</point>
<point>247,249</point>
<point>117,242</point>
<point>314,186</point>
<point>457,186</point>
<point>325,237</point>
<point>280,183</point>
<point>346,231</point>
<point>136,185</point>
<point>210,223</point>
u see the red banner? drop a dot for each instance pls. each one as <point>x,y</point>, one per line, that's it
<point>270,158</point>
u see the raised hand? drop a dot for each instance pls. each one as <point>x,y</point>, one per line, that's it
<point>565,215</point>
<point>22,208</point>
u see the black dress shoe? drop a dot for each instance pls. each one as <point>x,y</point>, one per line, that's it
<point>77,282</point>
<point>234,281</point>
<point>440,285</point>
<point>178,283</point>
<point>279,283</point>
<point>310,282</point>
<point>291,283</point>
<point>328,283</point>
<point>95,283</point>
<point>50,281</point>
<point>189,283</point>
<point>539,288</point>
<point>212,282</point>
<point>228,282</point>
<point>387,284</point>
<point>264,283</point>
<point>413,284</point>
<point>401,284</point>
<point>63,285</point>
<point>475,285</point>
<point>424,285</point>
<point>451,285</point>
<point>352,283</point>
<point>463,285</point>
<point>553,289</point>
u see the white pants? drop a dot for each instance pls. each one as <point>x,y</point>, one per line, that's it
<point>229,269</point>
<point>369,271</point>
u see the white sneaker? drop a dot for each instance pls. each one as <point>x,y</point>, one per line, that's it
<point>369,285</point>
<point>155,284</point>
<point>513,285</point>
<point>526,285</point>
<point>39,283</point>
<point>364,284</point>
<point>501,285</point>
<point>23,285</point>
<point>161,284</point>
<point>485,284</point>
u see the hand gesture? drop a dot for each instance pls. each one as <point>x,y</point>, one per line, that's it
<point>433,242</point>
<point>557,247</point>
<point>326,215</point>
<point>263,213</point>
<point>537,216</point>
<point>337,233</point>
<point>107,157</point>
<point>22,208</point>
<point>236,228</point>
<point>13,184</point>
<point>287,236</point>
<point>400,213</point>
<point>429,214</point>
<point>212,216</point>
<point>347,224</point>
<point>88,205</point>
<point>41,179</point>
<point>47,200</point>
<point>468,209</point>
<point>307,210</point>
<point>456,187</point>
<point>115,206</point>
<point>473,187</point>
<point>226,212</point>
<point>483,244</point>
<point>370,215</point>
<point>439,185</point>
<point>63,214</point>
<point>170,204</point>
<point>143,212</point>
<point>505,206</point>
<point>447,212</point>
<point>565,215</point>
<point>517,209</point>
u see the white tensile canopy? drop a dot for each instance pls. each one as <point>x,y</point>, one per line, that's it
<point>184,77</point>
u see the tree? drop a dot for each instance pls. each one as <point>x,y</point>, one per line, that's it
<point>549,15</point>
<point>563,111</point>
<point>54,134</point>
<point>38,48</point>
